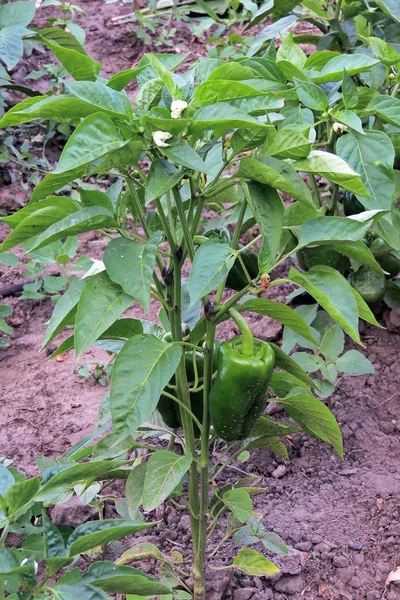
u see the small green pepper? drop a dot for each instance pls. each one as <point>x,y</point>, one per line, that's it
<point>238,396</point>
<point>169,409</point>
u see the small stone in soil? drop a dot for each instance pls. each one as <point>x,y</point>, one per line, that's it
<point>244,594</point>
<point>355,545</point>
<point>290,584</point>
<point>279,472</point>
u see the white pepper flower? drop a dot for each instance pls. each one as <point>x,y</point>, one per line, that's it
<point>339,128</point>
<point>177,108</point>
<point>160,138</point>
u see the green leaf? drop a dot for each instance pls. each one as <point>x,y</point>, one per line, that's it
<point>354,363</point>
<point>9,259</point>
<point>67,474</point>
<point>162,177</point>
<point>51,183</point>
<point>286,363</point>
<point>372,156</point>
<point>134,489</point>
<point>140,373</point>
<point>332,229</point>
<point>94,137</point>
<point>40,220</point>
<point>364,310</point>
<point>332,343</point>
<point>6,479</point>
<point>268,210</point>
<point>270,32</point>
<point>383,51</point>
<point>9,563</point>
<point>220,90</point>
<point>360,252</point>
<point>164,472</point>
<point>333,292</point>
<point>272,444</point>
<point>309,362</point>
<point>353,63</point>
<point>277,174</point>
<point>103,97</point>
<point>385,107</point>
<point>131,265</point>
<point>70,53</point>
<point>280,312</point>
<point>220,117</point>
<point>11,44</point>
<point>181,153</point>
<point>390,8</point>
<point>211,265</point>
<point>53,539</point>
<point>289,143</point>
<point>101,303</point>
<point>311,95</point>
<point>334,168</point>
<point>121,79</point>
<point>349,91</point>
<point>87,219</point>
<point>72,591</point>
<point>123,580</point>
<point>63,310</point>
<point>63,109</point>
<point>164,74</point>
<point>96,198</point>
<point>96,533</point>
<point>21,493</point>
<point>239,502</point>
<point>17,14</point>
<point>253,563</point>
<point>350,119</point>
<point>314,417</point>
<point>291,52</point>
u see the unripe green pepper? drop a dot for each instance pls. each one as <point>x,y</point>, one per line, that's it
<point>238,396</point>
<point>237,279</point>
<point>169,409</point>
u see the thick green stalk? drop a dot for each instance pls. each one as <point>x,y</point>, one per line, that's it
<point>184,224</point>
<point>200,556</point>
<point>245,330</point>
<point>184,397</point>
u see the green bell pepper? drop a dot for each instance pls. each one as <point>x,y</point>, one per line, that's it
<point>238,396</point>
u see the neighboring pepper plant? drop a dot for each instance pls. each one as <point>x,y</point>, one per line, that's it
<point>231,137</point>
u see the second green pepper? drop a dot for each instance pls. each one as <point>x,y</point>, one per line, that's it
<point>238,396</point>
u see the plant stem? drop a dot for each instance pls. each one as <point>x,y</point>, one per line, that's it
<point>200,555</point>
<point>184,224</point>
<point>245,330</point>
<point>184,397</point>
<point>4,534</point>
<point>183,405</point>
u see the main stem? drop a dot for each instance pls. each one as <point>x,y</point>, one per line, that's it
<point>200,555</point>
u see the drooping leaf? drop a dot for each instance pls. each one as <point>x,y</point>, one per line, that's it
<point>63,310</point>
<point>277,174</point>
<point>334,168</point>
<point>162,177</point>
<point>333,292</point>
<point>314,417</point>
<point>371,156</point>
<point>141,371</point>
<point>131,265</point>
<point>70,53</point>
<point>211,265</point>
<point>100,304</point>
<point>332,229</point>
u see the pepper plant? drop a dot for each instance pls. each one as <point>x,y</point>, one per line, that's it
<point>245,139</point>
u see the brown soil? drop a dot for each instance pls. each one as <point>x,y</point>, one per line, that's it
<point>340,518</point>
